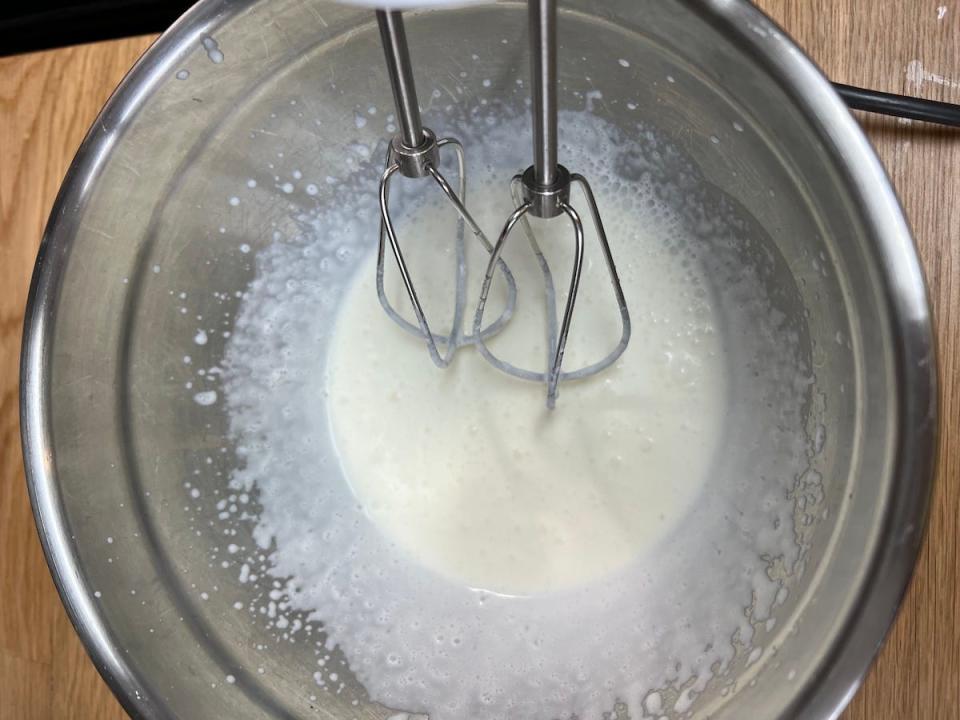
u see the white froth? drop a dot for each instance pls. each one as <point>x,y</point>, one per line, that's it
<point>470,473</point>
<point>667,605</point>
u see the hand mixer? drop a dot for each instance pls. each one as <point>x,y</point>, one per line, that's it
<point>543,191</point>
<point>415,153</point>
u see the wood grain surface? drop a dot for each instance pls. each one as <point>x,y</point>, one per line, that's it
<point>47,101</point>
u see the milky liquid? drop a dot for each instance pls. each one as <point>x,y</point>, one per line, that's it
<point>475,556</point>
<point>469,472</point>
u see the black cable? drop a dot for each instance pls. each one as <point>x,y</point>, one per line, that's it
<point>903,106</point>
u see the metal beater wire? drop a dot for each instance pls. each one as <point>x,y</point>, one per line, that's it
<point>550,298</point>
<point>456,338</point>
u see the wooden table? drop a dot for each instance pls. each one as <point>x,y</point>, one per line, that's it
<point>47,101</point>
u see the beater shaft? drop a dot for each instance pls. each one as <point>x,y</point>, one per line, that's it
<point>400,71</point>
<point>543,73</point>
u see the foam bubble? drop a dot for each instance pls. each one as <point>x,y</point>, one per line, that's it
<point>205,398</point>
<point>213,49</point>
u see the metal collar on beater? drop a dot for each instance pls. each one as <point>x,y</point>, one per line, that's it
<point>546,201</point>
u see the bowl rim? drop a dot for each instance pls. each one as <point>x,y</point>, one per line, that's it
<point>847,660</point>
<point>903,527</point>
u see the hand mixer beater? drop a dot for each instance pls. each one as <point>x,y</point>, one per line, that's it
<point>415,153</point>
<point>543,191</point>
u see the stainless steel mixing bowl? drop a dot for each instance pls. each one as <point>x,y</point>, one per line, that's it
<point>108,444</point>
